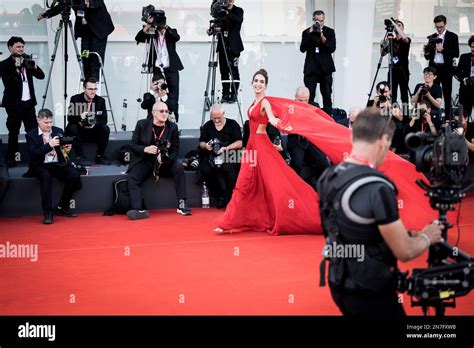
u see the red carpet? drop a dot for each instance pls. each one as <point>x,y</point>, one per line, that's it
<point>176,266</point>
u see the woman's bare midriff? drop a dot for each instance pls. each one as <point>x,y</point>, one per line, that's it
<point>261,129</point>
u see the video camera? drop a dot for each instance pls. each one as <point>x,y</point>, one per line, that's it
<point>28,60</point>
<point>219,8</point>
<point>158,16</point>
<point>389,26</point>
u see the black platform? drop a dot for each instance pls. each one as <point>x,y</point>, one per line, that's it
<point>23,194</point>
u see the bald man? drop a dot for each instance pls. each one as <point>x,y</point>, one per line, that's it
<point>154,149</point>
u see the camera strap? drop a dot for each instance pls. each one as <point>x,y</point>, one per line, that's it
<point>158,138</point>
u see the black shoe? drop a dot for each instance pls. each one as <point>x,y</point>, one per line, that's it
<point>48,218</point>
<point>225,98</point>
<point>232,99</point>
<point>65,212</point>
<point>137,214</point>
<point>221,202</point>
<point>183,208</point>
<point>101,160</point>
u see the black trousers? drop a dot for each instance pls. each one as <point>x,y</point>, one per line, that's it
<point>400,77</point>
<point>15,116</point>
<point>370,306</point>
<point>172,79</point>
<point>92,43</point>
<point>221,181</point>
<point>445,79</point>
<point>99,134</point>
<point>66,173</point>
<point>227,88</point>
<point>325,87</point>
<point>466,100</point>
<point>144,169</point>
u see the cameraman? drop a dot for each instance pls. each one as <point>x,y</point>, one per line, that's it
<point>423,121</point>
<point>368,217</point>
<point>93,25</point>
<point>232,20</point>
<point>401,50</point>
<point>429,91</point>
<point>307,160</point>
<point>319,43</point>
<point>158,92</point>
<point>220,177</point>
<point>154,146</point>
<point>19,98</point>
<point>465,73</point>
<point>87,119</point>
<point>163,58</point>
<point>442,48</point>
<point>48,159</point>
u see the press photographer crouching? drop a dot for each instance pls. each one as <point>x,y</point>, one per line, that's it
<point>158,92</point>
<point>423,121</point>
<point>87,120</point>
<point>358,207</point>
<point>219,160</point>
<point>49,152</point>
<point>154,148</point>
<point>429,91</point>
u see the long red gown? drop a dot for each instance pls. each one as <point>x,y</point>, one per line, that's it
<point>269,196</point>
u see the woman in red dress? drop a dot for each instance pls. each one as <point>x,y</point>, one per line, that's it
<point>269,196</point>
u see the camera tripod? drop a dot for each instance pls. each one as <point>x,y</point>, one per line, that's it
<point>64,23</point>
<point>211,77</point>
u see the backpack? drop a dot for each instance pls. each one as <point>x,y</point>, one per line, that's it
<point>121,198</point>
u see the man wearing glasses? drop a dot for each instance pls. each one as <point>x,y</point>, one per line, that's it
<point>87,119</point>
<point>154,149</point>
<point>429,91</point>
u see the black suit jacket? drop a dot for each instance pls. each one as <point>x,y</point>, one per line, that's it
<point>78,105</point>
<point>322,62</point>
<point>37,149</point>
<point>13,83</point>
<point>97,17</point>
<point>232,24</point>
<point>171,37</point>
<point>143,137</point>
<point>463,69</point>
<point>450,50</point>
<point>148,101</point>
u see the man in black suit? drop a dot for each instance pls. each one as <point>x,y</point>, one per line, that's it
<point>232,46</point>
<point>87,119</point>
<point>154,147</point>
<point>19,98</point>
<point>465,73</point>
<point>442,48</point>
<point>93,25</point>
<point>49,159</point>
<point>163,60</point>
<point>319,42</point>
<point>158,92</point>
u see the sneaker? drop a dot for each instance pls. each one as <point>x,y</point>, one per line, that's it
<point>183,208</point>
<point>48,218</point>
<point>67,212</point>
<point>101,160</point>
<point>137,214</point>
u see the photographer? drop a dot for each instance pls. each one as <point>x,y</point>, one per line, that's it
<point>365,214</point>
<point>93,25</point>
<point>231,22</point>
<point>219,137</point>
<point>429,91</point>
<point>50,158</point>
<point>158,92</point>
<point>401,50</point>
<point>465,73</point>
<point>441,50</point>
<point>154,148</point>
<point>19,100</point>
<point>163,59</point>
<point>307,160</point>
<point>423,121</point>
<point>319,43</point>
<point>87,119</point>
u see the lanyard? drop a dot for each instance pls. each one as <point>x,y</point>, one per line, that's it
<point>161,42</point>
<point>161,134</point>
<point>362,159</point>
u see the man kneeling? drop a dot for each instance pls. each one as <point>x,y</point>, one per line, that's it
<point>154,146</point>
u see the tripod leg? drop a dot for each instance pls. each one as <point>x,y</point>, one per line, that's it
<point>211,74</point>
<point>53,59</point>
<point>76,49</point>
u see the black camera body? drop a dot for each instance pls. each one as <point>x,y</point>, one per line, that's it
<point>433,40</point>
<point>216,158</point>
<point>90,120</point>
<point>158,16</point>
<point>28,60</point>
<point>424,90</point>
<point>162,145</point>
<point>277,141</point>
<point>219,8</point>
<point>66,140</point>
<point>470,82</point>
<point>317,30</point>
<point>162,86</point>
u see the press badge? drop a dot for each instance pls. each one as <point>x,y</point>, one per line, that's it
<point>316,50</point>
<point>80,13</point>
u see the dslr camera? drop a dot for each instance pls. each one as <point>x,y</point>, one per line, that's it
<point>317,30</point>
<point>158,16</point>
<point>162,86</point>
<point>431,45</point>
<point>470,82</point>
<point>216,158</point>
<point>425,89</point>
<point>65,140</point>
<point>162,145</point>
<point>28,60</point>
<point>90,119</point>
<point>219,8</point>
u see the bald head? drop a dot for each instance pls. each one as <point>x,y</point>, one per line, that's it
<point>159,105</point>
<point>217,109</point>
<point>160,113</point>
<point>302,94</point>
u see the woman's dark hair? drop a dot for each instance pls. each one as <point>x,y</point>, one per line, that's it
<point>262,72</point>
<point>471,40</point>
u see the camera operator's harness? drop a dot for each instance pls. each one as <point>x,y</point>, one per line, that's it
<point>343,226</point>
